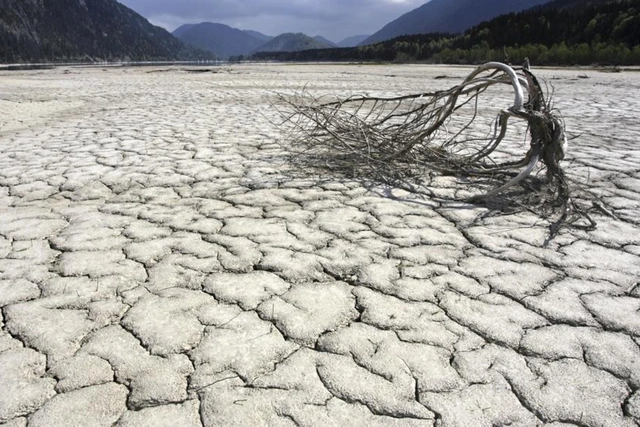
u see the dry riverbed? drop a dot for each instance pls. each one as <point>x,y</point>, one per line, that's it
<point>162,265</point>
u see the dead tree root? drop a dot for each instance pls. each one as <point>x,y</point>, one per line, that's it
<point>406,138</point>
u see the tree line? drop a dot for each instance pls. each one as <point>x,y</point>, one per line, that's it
<point>606,33</point>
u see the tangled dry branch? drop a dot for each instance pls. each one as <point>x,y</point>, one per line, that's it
<point>401,138</point>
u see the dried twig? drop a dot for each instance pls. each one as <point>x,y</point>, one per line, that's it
<point>400,138</point>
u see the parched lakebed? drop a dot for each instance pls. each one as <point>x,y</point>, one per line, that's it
<point>161,263</point>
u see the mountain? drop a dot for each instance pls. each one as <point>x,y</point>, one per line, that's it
<point>587,25</point>
<point>258,35</point>
<point>571,4</point>
<point>81,30</point>
<point>353,40</point>
<point>290,42</point>
<point>182,29</point>
<point>448,16</point>
<point>222,40</point>
<point>563,32</point>
<point>325,41</point>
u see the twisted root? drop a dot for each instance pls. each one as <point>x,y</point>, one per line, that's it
<point>398,139</point>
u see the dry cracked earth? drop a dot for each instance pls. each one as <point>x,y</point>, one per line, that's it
<point>162,265</point>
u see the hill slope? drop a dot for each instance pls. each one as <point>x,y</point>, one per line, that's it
<point>182,29</point>
<point>448,16</point>
<point>353,40</point>
<point>570,4</point>
<point>325,41</point>
<point>63,30</point>
<point>564,32</point>
<point>220,39</point>
<point>290,42</point>
<point>591,23</point>
<point>258,35</point>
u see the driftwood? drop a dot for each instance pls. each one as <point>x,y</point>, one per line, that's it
<point>403,138</point>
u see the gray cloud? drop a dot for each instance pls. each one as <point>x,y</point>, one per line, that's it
<point>334,19</point>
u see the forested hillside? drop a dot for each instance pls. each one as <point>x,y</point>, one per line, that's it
<point>83,30</point>
<point>448,16</point>
<point>291,42</point>
<point>220,39</point>
<point>565,32</point>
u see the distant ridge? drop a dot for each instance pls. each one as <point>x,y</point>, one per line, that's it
<point>182,29</point>
<point>325,41</point>
<point>222,40</point>
<point>353,40</point>
<point>563,32</point>
<point>290,42</point>
<point>448,16</point>
<point>83,30</point>
<point>258,35</point>
<point>571,4</point>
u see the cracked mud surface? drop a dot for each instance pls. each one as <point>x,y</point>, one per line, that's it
<point>160,264</point>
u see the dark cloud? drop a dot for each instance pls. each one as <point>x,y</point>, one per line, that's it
<point>334,19</point>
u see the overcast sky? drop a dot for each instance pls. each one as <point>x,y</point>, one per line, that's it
<point>333,19</point>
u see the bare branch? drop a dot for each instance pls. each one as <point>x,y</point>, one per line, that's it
<point>402,138</point>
